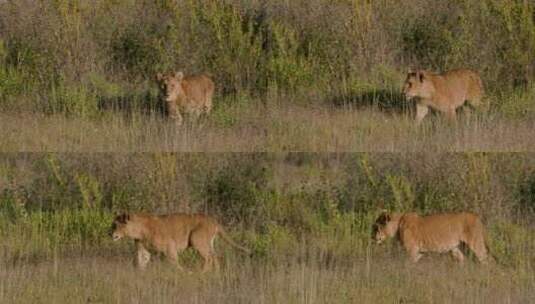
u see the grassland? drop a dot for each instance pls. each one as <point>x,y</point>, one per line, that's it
<point>259,128</point>
<point>307,218</point>
<point>295,280</point>
<point>77,91</point>
<point>299,76</point>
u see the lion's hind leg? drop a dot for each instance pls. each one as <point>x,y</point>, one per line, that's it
<point>476,242</point>
<point>203,243</point>
<point>478,247</point>
<point>215,260</point>
<point>474,98</point>
<point>207,108</point>
<point>210,260</point>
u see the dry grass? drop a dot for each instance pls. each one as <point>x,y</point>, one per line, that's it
<point>309,246</point>
<point>361,279</point>
<point>55,208</point>
<point>256,129</point>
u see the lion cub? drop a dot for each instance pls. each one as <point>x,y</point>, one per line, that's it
<point>186,94</point>
<point>443,92</point>
<point>170,234</point>
<point>433,233</point>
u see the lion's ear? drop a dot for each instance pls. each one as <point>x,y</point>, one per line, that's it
<point>421,77</point>
<point>380,219</point>
<point>384,218</point>
<point>123,218</point>
<point>159,76</point>
<point>179,75</point>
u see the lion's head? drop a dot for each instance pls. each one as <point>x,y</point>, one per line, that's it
<point>385,227</point>
<point>418,85</point>
<point>170,85</point>
<point>125,225</point>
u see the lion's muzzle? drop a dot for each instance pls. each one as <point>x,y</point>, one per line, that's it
<point>116,237</point>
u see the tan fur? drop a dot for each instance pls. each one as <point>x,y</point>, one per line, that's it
<point>443,92</point>
<point>186,94</point>
<point>171,234</point>
<point>433,233</point>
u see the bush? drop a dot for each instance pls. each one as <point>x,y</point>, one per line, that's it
<point>527,194</point>
<point>42,234</point>
<point>426,43</point>
<point>510,244</point>
<point>519,102</point>
<point>238,191</point>
<point>139,50</point>
<point>311,47</point>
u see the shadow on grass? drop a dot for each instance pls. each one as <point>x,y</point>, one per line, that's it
<point>129,103</point>
<point>387,101</point>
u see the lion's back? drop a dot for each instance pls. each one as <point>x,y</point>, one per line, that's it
<point>199,90</point>
<point>178,223</point>
<point>441,231</point>
<point>463,82</point>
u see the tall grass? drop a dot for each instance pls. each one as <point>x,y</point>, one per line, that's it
<point>306,217</point>
<point>255,127</point>
<point>52,52</point>
<point>300,76</point>
<point>303,75</point>
<point>69,199</point>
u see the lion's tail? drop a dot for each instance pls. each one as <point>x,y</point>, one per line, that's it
<point>227,239</point>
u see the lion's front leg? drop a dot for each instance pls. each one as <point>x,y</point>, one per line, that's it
<point>208,105</point>
<point>174,112</point>
<point>421,112</point>
<point>142,257</point>
<point>410,243</point>
<point>415,255</point>
<point>413,250</point>
<point>451,116</point>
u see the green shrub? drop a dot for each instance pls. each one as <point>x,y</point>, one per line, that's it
<point>138,50</point>
<point>510,244</point>
<point>527,194</point>
<point>277,202</point>
<point>517,103</point>
<point>238,190</point>
<point>303,48</point>
<point>12,84</point>
<point>41,234</point>
<point>516,49</point>
<point>427,42</point>
<point>72,100</point>
<point>12,206</point>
